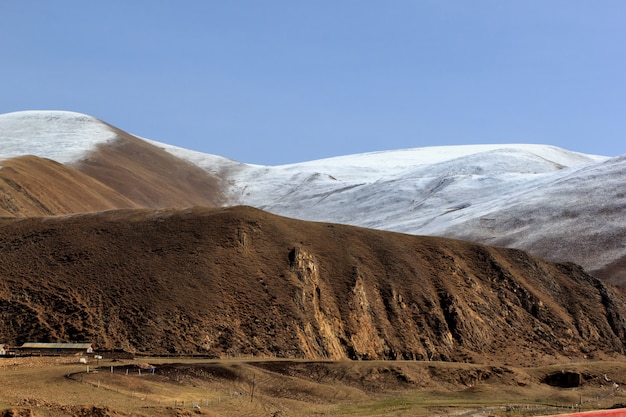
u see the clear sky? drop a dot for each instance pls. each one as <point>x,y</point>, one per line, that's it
<point>282,81</point>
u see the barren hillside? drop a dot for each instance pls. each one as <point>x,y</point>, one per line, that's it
<point>554,203</point>
<point>32,186</point>
<point>151,177</point>
<point>62,162</point>
<point>240,281</point>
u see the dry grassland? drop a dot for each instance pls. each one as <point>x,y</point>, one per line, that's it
<point>63,387</point>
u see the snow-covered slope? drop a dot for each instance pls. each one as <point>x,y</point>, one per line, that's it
<point>577,215</point>
<point>66,137</point>
<point>556,203</point>
<point>58,135</point>
<point>420,191</point>
<point>137,170</point>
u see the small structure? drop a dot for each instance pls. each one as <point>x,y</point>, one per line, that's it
<point>4,349</point>
<point>55,348</point>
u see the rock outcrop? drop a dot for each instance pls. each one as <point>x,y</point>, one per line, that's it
<point>239,281</point>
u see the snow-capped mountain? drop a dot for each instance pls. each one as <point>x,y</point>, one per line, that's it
<point>555,203</point>
<point>58,135</point>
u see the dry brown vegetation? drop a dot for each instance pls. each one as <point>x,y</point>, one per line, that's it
<point>62,387</point>
<point>150,176</point>
<point>239,281</point>
<point>32,186</point>
<point>125,173</point>
<point>130,172</point>
<point>302,318</point>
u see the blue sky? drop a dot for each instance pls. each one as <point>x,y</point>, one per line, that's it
<point>274,82</point>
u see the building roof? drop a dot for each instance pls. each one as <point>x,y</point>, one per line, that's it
<point>56,345</point>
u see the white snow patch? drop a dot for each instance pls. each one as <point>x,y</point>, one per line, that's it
<point>58,135</point>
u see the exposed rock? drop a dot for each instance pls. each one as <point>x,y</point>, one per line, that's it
<point>564,379</point>
<point>182,282</point>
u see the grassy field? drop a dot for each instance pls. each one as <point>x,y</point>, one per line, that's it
<point>63,387</point>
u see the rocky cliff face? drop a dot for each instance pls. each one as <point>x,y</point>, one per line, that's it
<point>238,281</point>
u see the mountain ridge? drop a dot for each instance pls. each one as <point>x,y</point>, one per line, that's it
<point>557,204</point>
<point>141,246</point>
<point>240,281</point>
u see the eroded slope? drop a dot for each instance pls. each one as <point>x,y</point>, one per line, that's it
<point>240,281</point>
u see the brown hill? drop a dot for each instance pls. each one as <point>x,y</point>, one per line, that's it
<point>125,173</point>
<point>240,281</point>
<point>150,176</point>
<point>33,186</point>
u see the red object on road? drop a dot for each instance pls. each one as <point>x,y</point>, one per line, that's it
<point>620,412</point>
